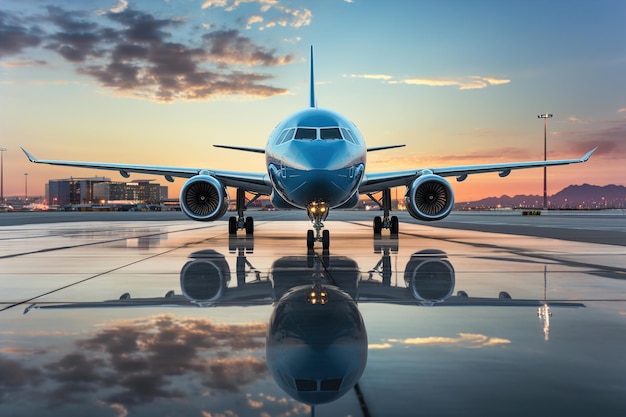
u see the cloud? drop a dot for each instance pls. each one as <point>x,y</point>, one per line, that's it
<point>138,361</point>
<point>275,14</point>
<point>622,110</point>
<point>384,77</point>
<point>472,82</point>
<point>119,7</point>
<point>608,136</point>
<point>376,346</point>
<point>24,63</point>
<point>16,36</point>
<point>120,410</point>
<point>13,375</point>
<point>463,340</point>
<point>133,53</point>
<point>23,351</point>
<point>463,83</point>
<point>228,46</point>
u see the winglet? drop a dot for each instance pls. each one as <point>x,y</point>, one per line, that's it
<point>588,155</point>
<point>312,102</point>
<point>29,156</point>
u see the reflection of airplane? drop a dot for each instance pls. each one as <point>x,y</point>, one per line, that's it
<point>205,281</point>
<point>316,339</point>
<point>315,161</point>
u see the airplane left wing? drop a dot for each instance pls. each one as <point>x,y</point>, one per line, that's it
<point>379,181</point>
<point>249,181</point>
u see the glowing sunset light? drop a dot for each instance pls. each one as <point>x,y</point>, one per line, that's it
<point>160,82</point>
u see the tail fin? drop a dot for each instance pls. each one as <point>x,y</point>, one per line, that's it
<point>312,102</point>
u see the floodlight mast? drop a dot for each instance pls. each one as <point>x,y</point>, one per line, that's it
<point>2,174</point>
<point>545,118</point>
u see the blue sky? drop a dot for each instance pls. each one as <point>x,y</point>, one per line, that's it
<point>159,82</point>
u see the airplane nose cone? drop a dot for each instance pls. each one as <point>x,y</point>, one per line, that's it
<point>321,154</point>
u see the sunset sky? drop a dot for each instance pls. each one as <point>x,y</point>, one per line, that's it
<point>160,81</point>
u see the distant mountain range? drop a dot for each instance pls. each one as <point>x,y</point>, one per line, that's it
<point>584,196</point>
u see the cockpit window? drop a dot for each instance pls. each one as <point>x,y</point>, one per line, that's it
<point>330,133</point>
<point>330,384</point>
<point>306,384</point>
<point>306,133</point>
<point>348,135</point>
<point>285,136</point>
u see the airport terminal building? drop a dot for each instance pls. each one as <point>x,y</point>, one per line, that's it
<point>101,190</point>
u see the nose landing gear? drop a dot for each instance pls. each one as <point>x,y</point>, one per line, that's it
<point>317,212</point>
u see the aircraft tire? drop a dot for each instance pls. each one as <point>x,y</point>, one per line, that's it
<point>232,225</point>
<point>325,240</point>
<point>378,225</point>
<point>310,240</point>
<point>249,226</point>
<point>395,225</point>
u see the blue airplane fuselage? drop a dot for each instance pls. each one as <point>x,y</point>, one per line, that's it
<point>316,156</point>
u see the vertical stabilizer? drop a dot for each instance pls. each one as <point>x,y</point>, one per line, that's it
<point>312,102</point>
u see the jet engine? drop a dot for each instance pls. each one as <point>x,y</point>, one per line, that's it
<point>204,198</point>
<point>430,276</point>
<point>430,197</point>
<point>204,279</point>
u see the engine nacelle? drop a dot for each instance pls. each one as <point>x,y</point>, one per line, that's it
<point>430,276</point>
<point>203,198</point>
<point>430,197</point>
<point>204,279</point>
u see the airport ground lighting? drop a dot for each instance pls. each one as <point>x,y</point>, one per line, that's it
<point>545,118</point>
<point>2,174</point>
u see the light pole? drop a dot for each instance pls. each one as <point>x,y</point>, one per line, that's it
<point>25,186</point>
<point>545,118</point>
<point>2,174</point>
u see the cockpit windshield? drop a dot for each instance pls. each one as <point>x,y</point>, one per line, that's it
<point>330,133</point>
<point>306,133</point>
<point>325,133</point>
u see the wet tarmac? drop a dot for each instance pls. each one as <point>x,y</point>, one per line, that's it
<point>104,314</point>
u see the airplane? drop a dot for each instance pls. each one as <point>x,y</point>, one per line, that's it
<point>316,161</point>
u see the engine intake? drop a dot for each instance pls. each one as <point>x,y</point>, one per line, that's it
<point>430,197</point>
<point>204,279</point>
<point>430,276</point>
<point>203,198</point>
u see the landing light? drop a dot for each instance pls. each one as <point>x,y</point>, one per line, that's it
<point>317,295</point>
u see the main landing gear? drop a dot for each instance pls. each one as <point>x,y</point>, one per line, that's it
<point>317,212</point>
<point>241,222</point>
<point>385,222</point>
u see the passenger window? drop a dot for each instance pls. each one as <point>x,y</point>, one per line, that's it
<point>330,133</point>
<point>306,133</point>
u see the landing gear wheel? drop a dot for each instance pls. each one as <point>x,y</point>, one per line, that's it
<point>310,239</point>
<point>378,225</point>
<point>325,240</point>
<point>249,226</point>
<point>395,226</point>
<point>232,225</point>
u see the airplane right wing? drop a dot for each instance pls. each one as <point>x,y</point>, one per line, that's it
<point>378,181</point>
